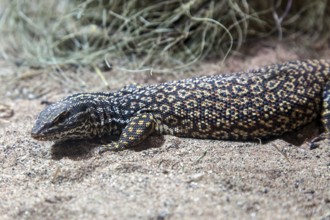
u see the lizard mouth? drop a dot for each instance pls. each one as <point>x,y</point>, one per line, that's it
<point>43,137</point>
<point>38,136</point>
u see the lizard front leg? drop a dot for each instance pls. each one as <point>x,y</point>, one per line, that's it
<point>137,130</point>
<point>325,117</point>
<point>325,114</point>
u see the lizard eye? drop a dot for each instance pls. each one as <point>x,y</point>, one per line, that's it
<point>61,118</point>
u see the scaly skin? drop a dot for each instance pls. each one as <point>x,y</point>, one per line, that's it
<point>257,104</point>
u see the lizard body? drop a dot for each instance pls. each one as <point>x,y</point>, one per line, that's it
<point>259,103</point>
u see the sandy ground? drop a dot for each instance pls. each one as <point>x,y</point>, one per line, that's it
<point>164,177</point>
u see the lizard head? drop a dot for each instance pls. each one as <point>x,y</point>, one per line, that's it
<point>70,118</point>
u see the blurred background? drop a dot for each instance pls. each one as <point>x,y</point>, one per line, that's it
<point>163,36</point>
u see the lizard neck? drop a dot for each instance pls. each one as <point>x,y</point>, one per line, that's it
<point>111,112</point>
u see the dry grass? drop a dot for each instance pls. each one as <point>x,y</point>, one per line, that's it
<point>152,34</point>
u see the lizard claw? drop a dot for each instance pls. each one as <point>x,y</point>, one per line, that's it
<point>102,149</point>
<point>114,146</point>
<point>313,144</point>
